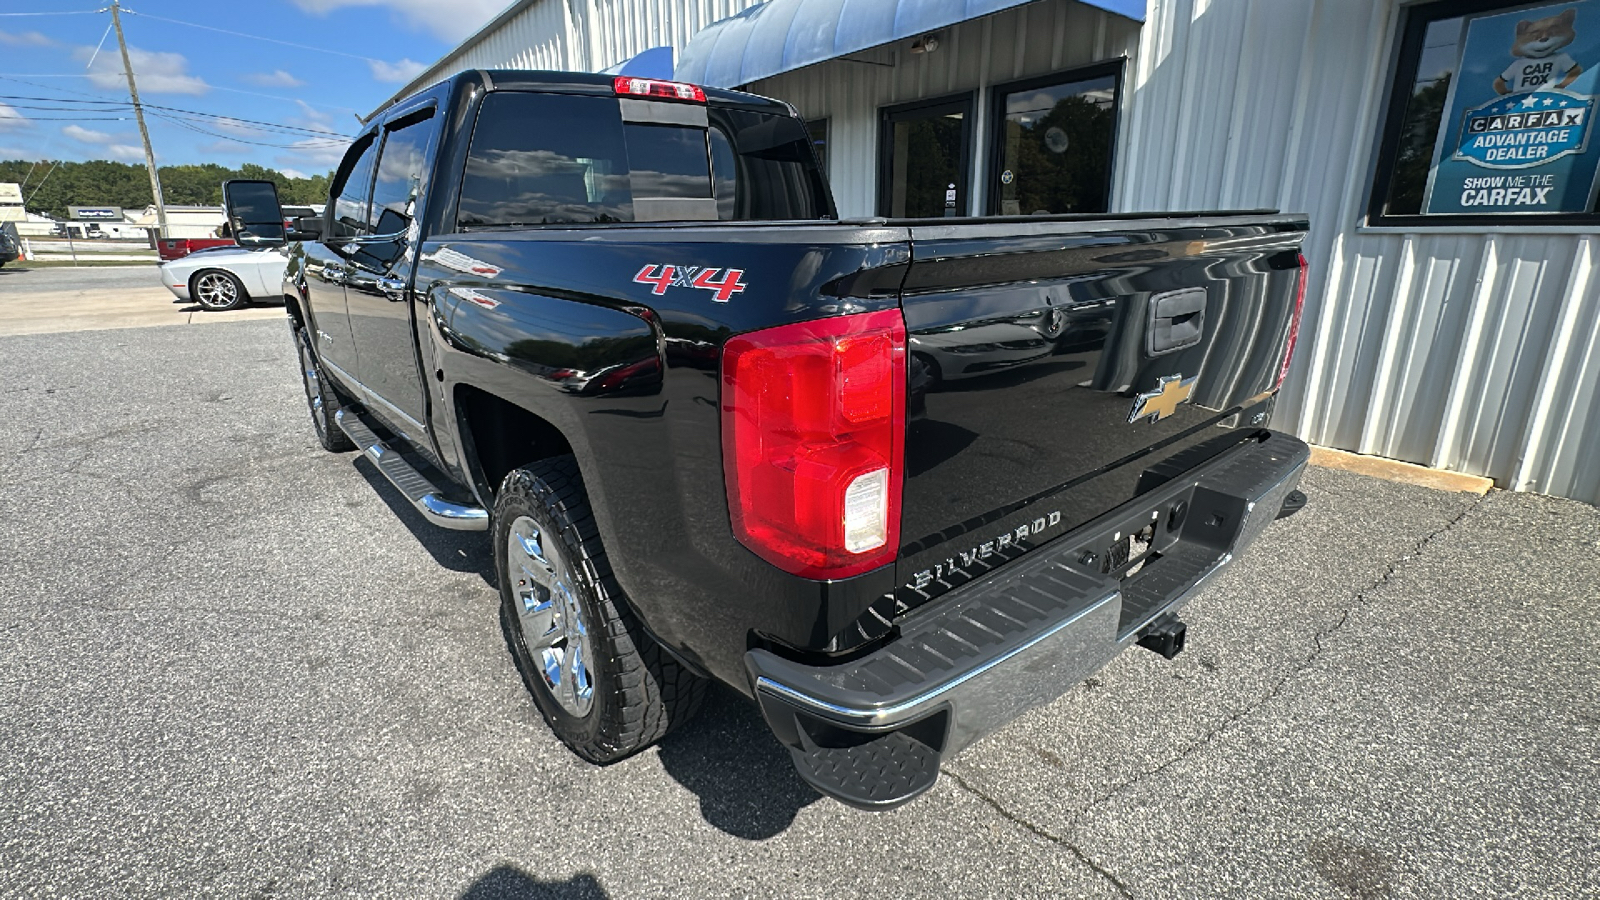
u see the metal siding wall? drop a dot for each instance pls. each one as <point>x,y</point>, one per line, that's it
<point>584,35</point>
<point>1471,350</point>
<point>1036,39</point>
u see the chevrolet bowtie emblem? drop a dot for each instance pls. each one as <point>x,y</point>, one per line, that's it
<point>1156,405</point>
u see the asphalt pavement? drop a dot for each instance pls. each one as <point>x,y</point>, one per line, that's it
<point>232,664</point>
<point>48,299</point>
<point>17,278</point>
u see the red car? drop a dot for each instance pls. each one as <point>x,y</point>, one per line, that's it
<point>177,248</point>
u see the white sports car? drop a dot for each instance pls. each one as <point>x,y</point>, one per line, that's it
<point>221,278</point>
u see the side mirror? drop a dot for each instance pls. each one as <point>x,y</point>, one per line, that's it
<point>254,213</point>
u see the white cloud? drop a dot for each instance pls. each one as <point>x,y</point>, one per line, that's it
<point>449,22</point>
<point>10,153</point>
<point>311,117</point>
<point>294,173</point>
<point>126,152</point>
<point>234,126</point>
<point>313,153</point>
<point>158,72</point>
<point>10,118</point>
<point>224,148</point>
<point>277,78</point>
<point>109,143</point>
<point>26,39</point>
<point>399,71</point>
<point>86,135</point>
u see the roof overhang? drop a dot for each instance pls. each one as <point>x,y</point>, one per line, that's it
<point>653,63</point>
<point>783,35</point>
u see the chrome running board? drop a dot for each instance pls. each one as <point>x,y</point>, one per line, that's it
<point>419,490</point>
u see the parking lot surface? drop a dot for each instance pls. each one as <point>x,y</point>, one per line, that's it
<point>234,665</point>
<point>39,299</point>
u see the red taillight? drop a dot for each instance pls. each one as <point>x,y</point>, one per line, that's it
<point>813,422</point>
<point>1294,325</point>
<point>654,89</point>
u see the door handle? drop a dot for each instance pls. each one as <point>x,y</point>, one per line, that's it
<point>1177,321</point>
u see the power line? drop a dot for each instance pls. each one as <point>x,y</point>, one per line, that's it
<point>121,105</point>
<point>309,144</point>
<point>255,37</point>
<point>23,80</point>
<point>76,118</point>
<point>56,108</point>
<point>64,12</point>
<point>41,183</point>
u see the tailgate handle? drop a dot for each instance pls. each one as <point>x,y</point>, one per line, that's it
<point>1177,321</point>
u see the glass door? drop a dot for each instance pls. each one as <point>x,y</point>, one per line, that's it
<point>1054,141</point>
<point>923,158</point>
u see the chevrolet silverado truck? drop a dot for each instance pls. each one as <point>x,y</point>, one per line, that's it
<point>895,481</point>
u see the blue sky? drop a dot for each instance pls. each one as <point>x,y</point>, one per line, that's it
<point>48,86</point>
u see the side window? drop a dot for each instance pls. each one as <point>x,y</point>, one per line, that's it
<point>398,188</point>
<point>818,130</point>
<point>349,213</point>
<point>763,168</point>
<point>403,170</point>
<point>546,159</point>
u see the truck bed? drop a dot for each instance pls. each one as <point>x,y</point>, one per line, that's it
<point>1027,345</point>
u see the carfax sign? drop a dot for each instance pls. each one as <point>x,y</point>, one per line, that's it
<point>1518,135</point>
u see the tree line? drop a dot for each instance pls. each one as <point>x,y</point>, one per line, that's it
<point>101,182</point>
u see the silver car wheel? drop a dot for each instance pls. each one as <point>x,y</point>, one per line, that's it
<point>215,289</point>
<point>549,615</point>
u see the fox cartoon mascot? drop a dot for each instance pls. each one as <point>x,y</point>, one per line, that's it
<point>1540,62</point>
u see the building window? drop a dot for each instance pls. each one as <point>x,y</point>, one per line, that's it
<point>922,158</point>
<point>1054,142</point>
<point>818,129</point>
<point>1491,116</point>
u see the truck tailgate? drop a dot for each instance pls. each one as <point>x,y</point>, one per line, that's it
<point>1061,369</point>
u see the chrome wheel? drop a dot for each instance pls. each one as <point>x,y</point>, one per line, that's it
<point>216,290</point>
<point>549,615</point>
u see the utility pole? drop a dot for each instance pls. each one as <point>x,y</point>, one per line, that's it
<point>138,113</point>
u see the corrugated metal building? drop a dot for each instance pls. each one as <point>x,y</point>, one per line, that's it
<point>1469,343</point>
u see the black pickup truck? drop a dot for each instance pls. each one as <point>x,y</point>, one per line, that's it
<point>897,481</point>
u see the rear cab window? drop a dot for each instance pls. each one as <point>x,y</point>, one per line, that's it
<point>572,159</point>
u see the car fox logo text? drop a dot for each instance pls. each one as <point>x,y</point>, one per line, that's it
<point>660,277</point>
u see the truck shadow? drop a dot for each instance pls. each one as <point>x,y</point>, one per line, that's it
<point>744,778</point>
<point>507,882</point>
<point>726,756</point>
<point>458,551</point>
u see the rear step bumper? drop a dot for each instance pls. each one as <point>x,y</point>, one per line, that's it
<point>418,489</point>
<point>872,732</point>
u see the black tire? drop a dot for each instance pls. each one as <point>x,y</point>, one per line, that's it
<point>217,291</point>
<point>321,398</point>
<point>638,692</point>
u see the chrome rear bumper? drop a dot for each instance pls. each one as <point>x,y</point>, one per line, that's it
<point>872,732</point>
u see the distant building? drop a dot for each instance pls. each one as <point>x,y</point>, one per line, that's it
<point>11,202</point>
<point>11,210</point>
<point>183,221</point>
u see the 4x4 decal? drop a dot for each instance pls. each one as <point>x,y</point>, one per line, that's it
<point>660,277</point>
